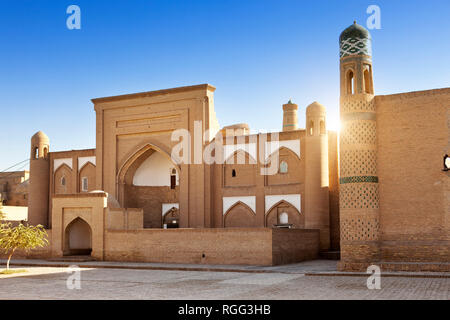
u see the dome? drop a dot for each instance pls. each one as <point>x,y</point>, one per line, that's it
<point>236,129</point>
<point>315,108</point>
<point>355,31</point>
<point>23,187</point>
<point>238,126</point>
<point>355,40</point>
<point>111,200</point>
<point>40,137</point>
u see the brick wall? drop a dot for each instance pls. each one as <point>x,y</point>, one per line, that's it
<point>413,136</point>
<point>256,246</point>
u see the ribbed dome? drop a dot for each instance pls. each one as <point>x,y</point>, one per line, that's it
<point>355,31</point>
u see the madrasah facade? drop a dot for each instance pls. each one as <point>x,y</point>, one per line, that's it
<point>377,192</point>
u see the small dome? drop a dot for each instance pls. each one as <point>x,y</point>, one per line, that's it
<point>23,187</point>
<point>355,31</point>
<point>315,108</point>
<point>238,126</point>
<point>238,129</point>
<point>40,137</point>
<point>111,200</point>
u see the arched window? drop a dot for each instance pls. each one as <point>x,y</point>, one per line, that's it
<point>63,181</point>
<point>173,179</point>
<point>311,128</point>
<point>367,81</point>
<point>36,153</point>
<point>322,127</point>
<point>283,218</point>
<point>233,173</point>
<point>350,82</point>
<point>84,184</point>
<point>283,167</point>
<point>45,152</point>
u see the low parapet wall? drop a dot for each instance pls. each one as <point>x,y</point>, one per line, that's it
<point>124,219</point>
<point>229,246</point>
<point>240,246</point>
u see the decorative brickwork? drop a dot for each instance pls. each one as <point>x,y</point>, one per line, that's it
<point>353,105</point>
<point>359,132</point>
<point>358,162</point>
<point>359,196</point>
<point>360,229</point>
<point>358,179</point>
<point>355,46</point>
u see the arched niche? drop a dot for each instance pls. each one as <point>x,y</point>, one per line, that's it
<point>171,218</point>
<point>239,215</point>
<point>290,169</point>
<point>78,238</point>
<point>62,182</point>
<point>87,172</point>
<point>277,214</point>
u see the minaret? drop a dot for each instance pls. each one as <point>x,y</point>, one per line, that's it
<point>290,118</point>
<point>359,201</point>
<point>317,207</point>
<point>39,180</point>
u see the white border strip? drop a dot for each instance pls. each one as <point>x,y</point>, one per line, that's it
<point>294,199</point>
<point>250,148</point>
<point>59,162</point>
<point>272,146</point>
<point>83,160</point>
<point>228,202</point>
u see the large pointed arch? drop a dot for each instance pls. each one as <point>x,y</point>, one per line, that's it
<point>133,160</point>
<point>151,196</point>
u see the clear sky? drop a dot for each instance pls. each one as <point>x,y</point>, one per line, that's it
<point>258,53</point>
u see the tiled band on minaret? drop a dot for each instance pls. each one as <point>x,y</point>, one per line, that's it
<point>359,201</point>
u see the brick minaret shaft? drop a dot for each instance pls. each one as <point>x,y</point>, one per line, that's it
<point>39,180</point>
<point>359,200</point>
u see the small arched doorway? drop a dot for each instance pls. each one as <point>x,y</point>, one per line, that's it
<point>78,238</point>
<point>171,218</point>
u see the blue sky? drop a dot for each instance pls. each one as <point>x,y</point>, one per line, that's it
<point>259,54</point>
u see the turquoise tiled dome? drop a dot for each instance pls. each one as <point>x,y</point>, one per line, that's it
<point>355,40</point>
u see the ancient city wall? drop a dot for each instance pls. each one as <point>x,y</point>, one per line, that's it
<point>413,137</point>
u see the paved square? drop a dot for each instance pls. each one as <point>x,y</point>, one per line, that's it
<point>51,283</point>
